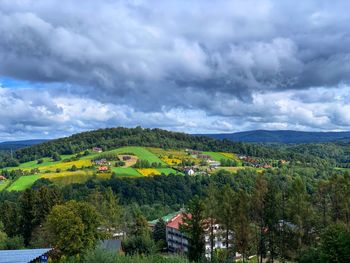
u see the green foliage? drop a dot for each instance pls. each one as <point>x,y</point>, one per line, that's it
<point>119,163</point>
<point>56,157</point>
<point>139,244</point>
<point>335,244</point>
<point>159,234</point>
<point>146,164</point>
<point>334,247</point>
<point>193,227</point>
<point>227,163</point>
<point>3,237</point>
<point>110,212</point>
<point>99,255</point>
<point>72,227</point>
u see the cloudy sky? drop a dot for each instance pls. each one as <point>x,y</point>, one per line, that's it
<point>195,66</point>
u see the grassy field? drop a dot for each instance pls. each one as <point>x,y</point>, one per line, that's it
<point>173,157</point>
<point>217,156</point>
<point>167,171</point>
<point>64,177</point>
<point>127,172</point>
<point>34,164</point>
<point>3,184</point>
<point>67,177</point>
<point>140,152</point>
<point>65,165</point>
<point>23,182</point>
<point>235,169</point>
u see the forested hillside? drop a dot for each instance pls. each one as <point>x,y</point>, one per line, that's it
<point>283,136</point>
<point>332,153</point>
<point>117,137</point>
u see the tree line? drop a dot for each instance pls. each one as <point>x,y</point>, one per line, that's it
<point>282,214</point>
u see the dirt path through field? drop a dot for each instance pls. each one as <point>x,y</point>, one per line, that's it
<point>130,162</point>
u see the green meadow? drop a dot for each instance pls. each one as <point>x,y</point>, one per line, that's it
<point>127,172</point>
<point>23,182</point>
<point>217,156</point>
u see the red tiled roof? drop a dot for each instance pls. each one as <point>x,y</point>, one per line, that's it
<point>103,168</point>
<point>176,221</point>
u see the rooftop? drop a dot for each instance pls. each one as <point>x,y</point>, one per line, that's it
<point>176,221</point>
<point>166,218</point>
<point>22,256</point>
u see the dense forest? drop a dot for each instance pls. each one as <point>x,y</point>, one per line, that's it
<point>278,215</point>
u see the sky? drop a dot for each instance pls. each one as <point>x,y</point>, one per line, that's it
<point>191,66</point>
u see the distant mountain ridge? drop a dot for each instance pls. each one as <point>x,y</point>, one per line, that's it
<point>15,145</point>
<point>282,136</point>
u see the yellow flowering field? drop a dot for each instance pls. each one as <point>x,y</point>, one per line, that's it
<point>171,161</point>
<point>66,173</point>
<point>67,177</point>
<point>66,165</point>
<point>230,155</point>
<point>148,171</point>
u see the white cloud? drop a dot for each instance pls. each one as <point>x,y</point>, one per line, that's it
<point>194,66</point>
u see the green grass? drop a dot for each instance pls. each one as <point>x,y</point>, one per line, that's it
<point>23,182</point>
<point>70,179</point>
<point>129,172</point>
<point>216,156</point>
<point>168,171</point>
<point>3,184</point>
<point>34,164</point>
<point>140,152</point>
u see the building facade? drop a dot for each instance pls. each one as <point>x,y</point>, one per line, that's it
<point>177,242</point>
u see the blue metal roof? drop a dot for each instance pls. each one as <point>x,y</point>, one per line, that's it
<point>111,244</point>
<point>21,256</point>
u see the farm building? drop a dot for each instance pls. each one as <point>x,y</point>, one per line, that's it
<point>103,169</point>
<point>97,149</point>
<point>126,157</point>
<point>2,178</point>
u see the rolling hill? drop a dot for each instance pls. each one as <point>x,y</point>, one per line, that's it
<point>281,136</point>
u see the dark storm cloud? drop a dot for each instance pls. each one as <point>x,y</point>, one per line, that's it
<point>220,58</point>
<point>234,47</point>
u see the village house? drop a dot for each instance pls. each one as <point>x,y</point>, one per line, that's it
<point>189,171</point>
<point>97,149</point>
<point>100,162</point>
<point>213,164</point>
<point>103,169</point>
<point>2,178</point>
